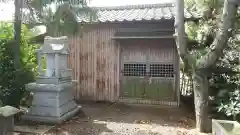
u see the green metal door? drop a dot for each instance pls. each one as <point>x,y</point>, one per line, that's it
<point>160,85</point>
<point>133,70</point>
<point>134,80</point>
<point>147,72</point>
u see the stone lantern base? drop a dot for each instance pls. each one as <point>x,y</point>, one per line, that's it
<point>52,103</point>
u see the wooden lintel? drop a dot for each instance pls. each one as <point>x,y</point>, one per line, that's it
<point>143,37</point>
<point>145,30</point>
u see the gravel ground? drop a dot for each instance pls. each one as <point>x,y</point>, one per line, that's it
<point>119,119</point>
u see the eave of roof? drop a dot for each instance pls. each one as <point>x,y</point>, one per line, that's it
<point>148,12</point>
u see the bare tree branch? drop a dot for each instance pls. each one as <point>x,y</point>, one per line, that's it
<point>222,36</point>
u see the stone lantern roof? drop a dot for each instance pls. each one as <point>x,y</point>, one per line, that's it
<point>55,45</point>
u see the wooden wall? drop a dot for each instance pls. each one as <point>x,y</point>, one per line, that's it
<point>95,59</point>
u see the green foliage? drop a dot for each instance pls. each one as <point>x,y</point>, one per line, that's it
<point>225,75</point>
<point>201,32</point>
<point>60,16</point>
<point>226,79</point>
<point>232,106</point>
<point>12,81</point>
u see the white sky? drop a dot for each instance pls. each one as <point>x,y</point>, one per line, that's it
<point>7,10</point>
<point>125,2</point>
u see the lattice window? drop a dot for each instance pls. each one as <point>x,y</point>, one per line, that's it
<point>161,70</point>
<point>134,70</point>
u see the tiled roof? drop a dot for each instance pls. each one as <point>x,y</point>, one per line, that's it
<point>135,13</point>
<point>120,13</point>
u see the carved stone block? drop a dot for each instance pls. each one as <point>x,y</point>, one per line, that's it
<point>7,119</point>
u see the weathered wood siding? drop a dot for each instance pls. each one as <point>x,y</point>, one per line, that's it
<point>95,59</point>
<point>95,64</point>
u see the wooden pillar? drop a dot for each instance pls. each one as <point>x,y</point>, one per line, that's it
<point>180,41</point>
<point>178,80</point>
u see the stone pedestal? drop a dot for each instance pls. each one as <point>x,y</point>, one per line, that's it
<point>53,101</point>
<point>7,119</point>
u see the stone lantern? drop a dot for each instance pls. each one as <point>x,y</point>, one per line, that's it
<point>53,101</point>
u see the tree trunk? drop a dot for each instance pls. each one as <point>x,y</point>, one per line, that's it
<point>17,33</point>
<point>201,86</point>
<point>199,76</point>
<point>200,83</point>
<point>53,27</point>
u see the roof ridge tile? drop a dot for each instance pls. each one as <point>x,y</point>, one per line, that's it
<point>139,6</point>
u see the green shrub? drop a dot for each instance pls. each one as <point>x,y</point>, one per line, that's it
<point>231,107</point>
<point>12,82</point>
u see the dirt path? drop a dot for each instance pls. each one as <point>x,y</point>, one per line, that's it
<point>119,119</point>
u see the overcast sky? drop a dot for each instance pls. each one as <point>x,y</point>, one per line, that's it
<point>125,2</point>
<point>7,10</point>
